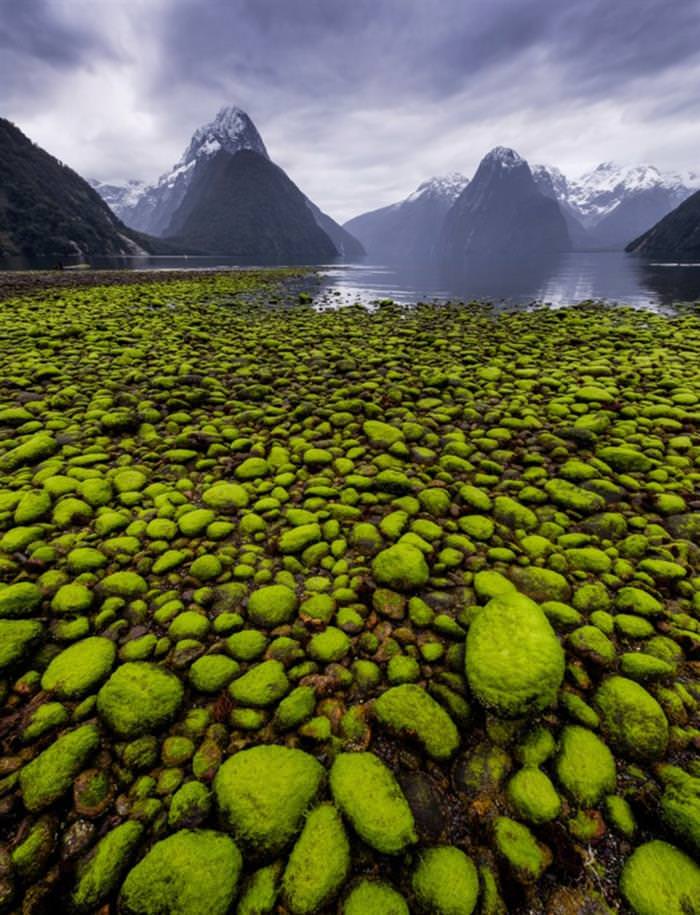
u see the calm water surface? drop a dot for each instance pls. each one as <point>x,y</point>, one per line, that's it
<point>607,276</point>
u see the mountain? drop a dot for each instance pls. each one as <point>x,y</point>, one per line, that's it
<point>244,205</point>
<point>615,203</point>
<point>676,236</point>
<point>502,212</point>
<point>408,230</point>
<point>46,209</point>
<point>554,184</point>
<point>151,208</point>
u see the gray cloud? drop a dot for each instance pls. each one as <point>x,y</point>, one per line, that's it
<point>358,101</point>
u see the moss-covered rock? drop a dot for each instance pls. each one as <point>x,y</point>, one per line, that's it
<point>527,857</point>
<point>17,637</point>
<point>402,567</point>
<point>192,872</point>
<point>533,795</point>
<point>47,777</point>
<point>138,698</point>
<point>632,719</point>
<point>369,796</point>
<point>659,878</point>
<point>445,882</point>
<point>100,872</point>
<point>19,600</point>
<point>585,766</point>
<point>514,661</point>
<point>259,895</point>
<point>271,606</point>
<point>262,685</point>
<point>80,667</point>
<point>318,864</point>
<point>374,897</point>
<point>263,793</point>
<point>409,711</point>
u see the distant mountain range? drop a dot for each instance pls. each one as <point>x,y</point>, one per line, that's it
<point>278,231</point>
<point>603,209</point>
<point>46,209</point>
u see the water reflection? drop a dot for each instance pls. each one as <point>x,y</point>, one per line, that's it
<point>561,280</point>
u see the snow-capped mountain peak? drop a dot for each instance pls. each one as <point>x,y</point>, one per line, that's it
<point>446,187</point>
<point>231,130</point>
<point>504,156</point>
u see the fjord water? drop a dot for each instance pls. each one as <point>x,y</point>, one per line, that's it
<point>609,276</point>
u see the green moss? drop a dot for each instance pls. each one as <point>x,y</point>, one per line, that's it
<point>295,708</point>
<point>541,584</point>
<point>263,793</point>
<point>298,538</point>
<point>19,600</point>
<point>658,878</point>
<point>514,662</point>
<point>680,809</point>
<point>533,796</point>
<point>17,637</point>
<point>212,673</point>
<point>47,777</point>
<point>632,719</point>
<point>138,698</point>
<point>190,806</point>
<point>225,497</point>
<point>591,643</point>
<point>189,625</point>
<point>271,606</point>
<point>445,882</point>
<point>526,856</point>
<point>192,872</point>
<point>369,796</point>
<point>402,567</point>
<point>318,864</point>
<point>408,711</point>
<point>124,584</point>
<point>47,716</point>
<point>79,668</point>
<point>247,644</point>
<point>260,892</point>
<point>330,645</point>
<point>585,766</point>
<point>262,685</point>
<point>100,872</point>
<point>374,897</point>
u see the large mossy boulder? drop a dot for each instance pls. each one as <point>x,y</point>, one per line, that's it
<point>370,797</point>
<point>318,864</point>
<point>514,661</point>
<point>80,667</point>
<point>263,793</point>
<point>192,872</point>
<point>659,879</point>
<point>99,873</point>
<point>47,777</point>
<point>139,698</point>
<point>585,766</point>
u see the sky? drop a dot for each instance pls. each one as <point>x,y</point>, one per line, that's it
<point>358,100</point>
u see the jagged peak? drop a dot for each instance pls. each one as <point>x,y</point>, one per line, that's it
<point>231,130</point>
<point>504,156</point>
<point>449,186</point>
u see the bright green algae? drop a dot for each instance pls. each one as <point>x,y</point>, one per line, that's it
<point>444,557</point>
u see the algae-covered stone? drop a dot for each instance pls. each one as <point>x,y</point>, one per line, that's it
<point>192,872</point>
<point>80,667</point>
<point>272,605</point>
<point>99,873</point>
<point>402,567</point>
<point>370,797</point>
<point>541,584</point>
<point>680,809</point>
<point>298,538</point>
<point>17,637</point>
<point>514,661</point>
<point>138,698</point>
<point>381,435</point>
<point>190,806</point>
<point>445,882</point>
<point>259,895</point>
<point>330,645</point>
<point>585,766</point>
<point>318,864</point>
<point>263,793</point>
<point>374,897</point>
<point>533,795</point>
<point>262,685</point>
<point>295,708</point>
<point>212,673</point>
<point>72,598</point>
<point>19,600</point>
<point>659,879</point>
<point>527,857</point>
<point>47,777</point>
<point>409,711</point>
<point>124,584</point>
<point>632,719</point>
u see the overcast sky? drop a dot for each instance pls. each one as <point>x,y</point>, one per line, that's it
<point>358,100</point>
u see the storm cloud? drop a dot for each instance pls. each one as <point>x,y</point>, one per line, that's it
<point>358,101</point>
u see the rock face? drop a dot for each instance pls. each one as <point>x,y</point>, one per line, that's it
<point>408,231</point>
<point>675,236</point>
<point>46,209</point>
<point>245,206</point>
<point>500,213</point>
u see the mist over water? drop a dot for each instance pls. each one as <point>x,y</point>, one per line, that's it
<point>561,280</point>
